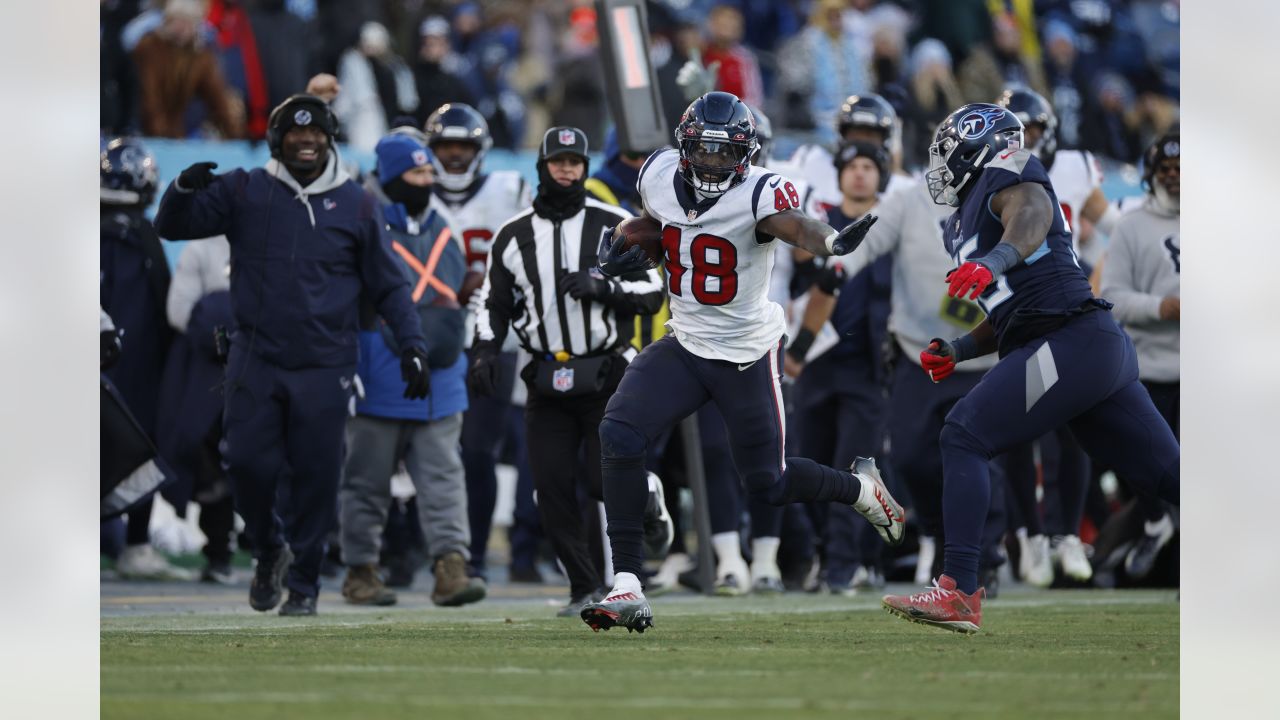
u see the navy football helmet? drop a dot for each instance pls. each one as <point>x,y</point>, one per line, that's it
<point>457,122</point>
<point>717,138</point>
<point>965,142</point>
<point>1033,109</point>
<point>127,173</point>
<point>764,137</point>
<point>868,111</point>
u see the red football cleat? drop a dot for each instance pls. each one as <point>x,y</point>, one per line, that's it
<point>941,606</point>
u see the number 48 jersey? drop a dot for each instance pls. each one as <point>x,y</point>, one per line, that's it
<point>1049,278</point>
<point>717,266</point>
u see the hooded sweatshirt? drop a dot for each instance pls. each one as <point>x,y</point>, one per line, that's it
<point>300,259</point>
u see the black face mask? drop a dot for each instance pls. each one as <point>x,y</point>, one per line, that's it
<point>414,198</point>
<point>559,202</point>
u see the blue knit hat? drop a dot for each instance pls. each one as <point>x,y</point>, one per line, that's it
<point>398,153</point>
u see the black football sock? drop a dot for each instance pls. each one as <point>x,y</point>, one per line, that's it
<point>807,481</point>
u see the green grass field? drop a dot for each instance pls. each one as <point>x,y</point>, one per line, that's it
<point>1044,655</point>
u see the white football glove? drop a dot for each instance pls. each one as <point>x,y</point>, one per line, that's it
<point>696,80</point>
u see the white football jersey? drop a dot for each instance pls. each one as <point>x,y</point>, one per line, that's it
<point>1074,174</point>
<point>718,269</point>
<point>816,165</point>
<point>474,216</point>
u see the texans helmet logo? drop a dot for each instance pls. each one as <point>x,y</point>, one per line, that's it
<point>302,117</point>
<point>976,123</point>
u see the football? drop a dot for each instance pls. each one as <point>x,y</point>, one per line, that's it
<point>645,232</point>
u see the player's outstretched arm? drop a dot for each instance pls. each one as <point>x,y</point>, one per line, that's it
<point>795,228</point>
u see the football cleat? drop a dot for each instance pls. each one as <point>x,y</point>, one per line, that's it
<point>1070,554</point>
<point>924,560</point>
<point>941,606</point>
<point>876,504</point>
<point>1139,561</point>
<point>1035,565</point>
<point>732,585</point>
<point>768,585</point>
<point>626,608</point>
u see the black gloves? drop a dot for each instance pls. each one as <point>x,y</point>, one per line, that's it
<point>848,239</point>
<point>111,347</point>
<point>615,262</point>
<point>413,370</point>
<point>482,377</point>
<point>198,176</point>
<point>831,278</point>
<point>583,285</point>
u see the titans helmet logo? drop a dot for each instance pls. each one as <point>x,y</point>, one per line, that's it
<point>976,123</point>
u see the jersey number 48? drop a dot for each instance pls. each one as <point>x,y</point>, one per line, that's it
<point>712,257</point>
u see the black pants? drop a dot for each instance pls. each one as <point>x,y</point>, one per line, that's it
<point>559,430</point>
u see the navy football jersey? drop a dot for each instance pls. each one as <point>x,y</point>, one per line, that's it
<point>1048,279</point>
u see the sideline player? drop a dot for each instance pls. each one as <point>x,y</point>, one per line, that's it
<point>1064,360</point>
<point>475,204</point>
<point>720,215</point>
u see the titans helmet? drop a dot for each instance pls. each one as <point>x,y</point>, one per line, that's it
<point>764,137</point>
<point>868,111</point>
<point>298,111</point>
<point>127,173</point>
<point>964,143</point>
<point>716,137</point>
<point>463,123</point>
<point>1032,109</point>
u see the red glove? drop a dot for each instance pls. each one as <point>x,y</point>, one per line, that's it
<point>939,360</point>
<point>970,276</point>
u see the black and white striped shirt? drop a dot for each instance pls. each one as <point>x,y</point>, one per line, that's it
<point>529,256</point>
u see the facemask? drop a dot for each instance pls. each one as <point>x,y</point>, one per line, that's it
<point>415,198</point>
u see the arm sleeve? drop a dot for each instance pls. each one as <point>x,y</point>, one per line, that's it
<point>385,283</point>
<point>190,215</point>
<point>186,288</point>
<point>1119,281</point>
<point>495,301</point>
<point>640,292</point>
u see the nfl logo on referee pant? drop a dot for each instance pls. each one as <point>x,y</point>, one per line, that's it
<point>562,379</point>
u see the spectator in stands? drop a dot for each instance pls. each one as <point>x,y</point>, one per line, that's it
<point>1066,81</point>
<point>289,57</point>
<point>829,63</point>
<point>961,25</point>
<point>237,49</point>
<point>118,82</point>
<point>739,72</point>
<point>190,412</point>
<point>934,93</point>
<point>435,72</point>
<point>174,68</point>
<point>389,427</point>
<point>1110,126</point>
<point>577,97</point>
<point>376,86</point>
<point>686,41</point>
<point>489,59</point>
<point>134,280</point>
<point>989,69</point>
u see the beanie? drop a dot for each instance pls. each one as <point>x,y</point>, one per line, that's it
<point>398,153</point>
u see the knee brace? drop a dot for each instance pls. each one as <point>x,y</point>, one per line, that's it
<point>621,444</point>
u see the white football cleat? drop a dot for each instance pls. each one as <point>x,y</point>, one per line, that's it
<point>876,504</point>
<point>924,560</point>
<point>144,562</point>
<point>1035,565</point>
<point>1071,555</point>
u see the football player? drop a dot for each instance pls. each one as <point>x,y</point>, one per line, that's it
<point>719,217</point>
<point>475,204</point>
<point>1063,358</point>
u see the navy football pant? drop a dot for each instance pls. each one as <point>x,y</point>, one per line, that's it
<point>284,447</point>
<point>483,430</point>
<point>664,384</point>
<point>1065,471</point>
<point>1085,375</point>
<point>840,410</point>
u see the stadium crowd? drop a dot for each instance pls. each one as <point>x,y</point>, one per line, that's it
<point>428,87</point>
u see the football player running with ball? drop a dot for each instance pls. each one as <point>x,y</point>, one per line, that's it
<point>719,216</point>
<point>1064,360</point>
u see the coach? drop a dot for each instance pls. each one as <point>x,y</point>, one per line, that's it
<point>577,325</point>
<point>306,241</point>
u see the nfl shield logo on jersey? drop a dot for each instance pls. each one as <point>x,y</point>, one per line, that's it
<point>692,214</point>
<point>562,379</point>
<point>566,137</point>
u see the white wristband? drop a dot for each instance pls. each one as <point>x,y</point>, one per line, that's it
<point>831,242</point>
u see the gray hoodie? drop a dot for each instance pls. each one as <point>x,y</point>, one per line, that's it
<point>1142,267</point>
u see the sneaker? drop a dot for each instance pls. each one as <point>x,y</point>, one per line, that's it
<point>668,576</point>
<point>217,573</point>
<point>626,608</point>
<point>1140,560</point>
<point>1070,554</point>
<point>867,578</point>
<point>268,579</point>
<point>876,504</point>
<point>659,530</point>
<point>454,586</point>
<point>989,579</point>
<point>941,606</point>
<point>144,562</point>
<point>924,560</point>
<point>363,586</point>
<point>298,605</point>
<point>1034,563</point>
<point>732,585</point>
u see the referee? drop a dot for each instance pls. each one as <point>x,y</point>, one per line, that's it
<point>577,326</point>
